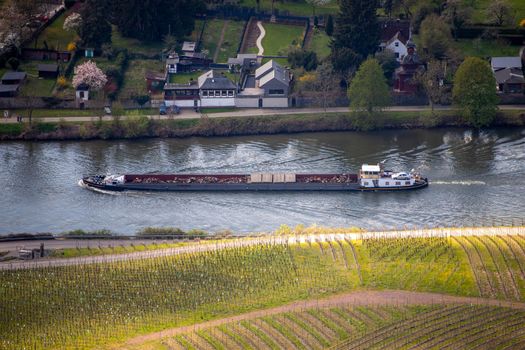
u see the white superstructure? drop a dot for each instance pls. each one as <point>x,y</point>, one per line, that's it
<point>374,176</point>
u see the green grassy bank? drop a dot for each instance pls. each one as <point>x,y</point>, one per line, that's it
<point>141,126</point>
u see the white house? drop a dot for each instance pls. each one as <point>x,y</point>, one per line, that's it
<point>216,90</point>
<point>396,44</point>
<point>210,90</point>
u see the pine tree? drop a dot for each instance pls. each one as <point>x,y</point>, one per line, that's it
<point>95,29</point>
<point>357,29</point>
<point>152,20</point>
<point>329,26</point>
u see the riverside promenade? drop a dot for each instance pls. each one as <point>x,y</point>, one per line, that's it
<point>191,114</point>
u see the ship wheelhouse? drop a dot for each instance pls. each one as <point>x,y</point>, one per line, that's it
<point>375,176</point>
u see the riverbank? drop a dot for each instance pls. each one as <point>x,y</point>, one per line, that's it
<point>240,124</point>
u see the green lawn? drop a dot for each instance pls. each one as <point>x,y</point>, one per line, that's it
<point>298,7</point>
<point>135,45</point>
<point>211,36</point>
<point>135,77</point>
<point>279,37</point>
<point>196,30</point>
<point>183,78</point>
<point>485,48</point>
<point>232,38</point>
<point>35,86</point>
<point>55,36</point>
<point>320,44</point>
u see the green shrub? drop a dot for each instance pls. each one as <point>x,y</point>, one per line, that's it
<point>46,127</point>
<point>11,129</point>
<point>158,231</point>
<point>136,126</point>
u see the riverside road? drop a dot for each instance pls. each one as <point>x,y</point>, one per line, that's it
<point>191,114</point>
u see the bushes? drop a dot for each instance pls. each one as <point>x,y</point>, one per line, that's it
<point>136,126</point>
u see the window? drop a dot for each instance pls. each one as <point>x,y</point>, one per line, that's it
<point>224,93</point>
<point>210,93</point>
<point>397,54</point>
<point>407,182</point>
<point>276,92</point>
<point>204,93</point>
<point>366,183</point>
<point>398,183</point>
<point>387,183</point>
<point>230,92</point>
<point>217,93</point>
<point>397,44</point>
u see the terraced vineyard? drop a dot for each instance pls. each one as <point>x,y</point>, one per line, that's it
<point>346,327</point>
<point>498,263</point>
<point>95,305</point>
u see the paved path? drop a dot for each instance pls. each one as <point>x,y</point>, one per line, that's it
<point>260,38</point>
<point>361,298</point>
<point>254,112</point>
<point>204,246</point>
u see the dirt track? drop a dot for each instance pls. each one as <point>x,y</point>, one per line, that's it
<point>362,298</point>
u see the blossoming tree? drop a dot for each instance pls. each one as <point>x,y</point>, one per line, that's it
<point>89,74</point>
<point>73,22</point>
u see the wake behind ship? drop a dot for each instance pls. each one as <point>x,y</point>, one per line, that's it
<point>369,178</point>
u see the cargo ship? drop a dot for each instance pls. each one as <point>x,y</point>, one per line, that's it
<point>369,178</point>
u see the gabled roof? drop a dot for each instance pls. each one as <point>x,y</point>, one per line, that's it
<point>398,36</point>
<point>212,81</point>
<point>9,88</point>
<point>509,76</point>
<point>389,28</point>
<point>278,74</point>
<point>265,68</point>
<point>14,76</point>
<point>48,68</point>
<point>498,63</point>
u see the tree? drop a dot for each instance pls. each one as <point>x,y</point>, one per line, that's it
<point>152,20</point>
<point>499,12</point>
<point>170,42</point>
<point>368,91</point>
<point>302,58</point>
<point>326,84</point>
<point>317,3</point>
<point>435,36</point>
<point>432,82</point>
<point>329,28</point>
<point>474,91</point>
<point>95,29</point>
<point>142,100</point>
<point>357,30</point>
<point>14,63</point>
<point>387,60</point>
<point>89,74</point>
<point>457,14</point>
<point>73,22</point>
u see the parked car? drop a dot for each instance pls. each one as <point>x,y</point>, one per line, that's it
<point>107,110</point>
<point>400,176</point>
<point>163,109</point>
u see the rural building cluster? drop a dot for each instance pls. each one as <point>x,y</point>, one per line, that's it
<point>231,55</point>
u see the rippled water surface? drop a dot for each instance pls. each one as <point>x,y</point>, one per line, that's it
<point>476,177</point>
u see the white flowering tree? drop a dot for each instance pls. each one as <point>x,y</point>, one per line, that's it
<point>89,74</point>
<point>73,22</point>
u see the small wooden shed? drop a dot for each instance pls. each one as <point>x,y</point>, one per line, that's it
<point>48,71</point>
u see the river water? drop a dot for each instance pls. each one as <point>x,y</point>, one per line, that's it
<point>477,177</point>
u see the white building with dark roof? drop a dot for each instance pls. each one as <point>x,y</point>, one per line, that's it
<point>216,90</point>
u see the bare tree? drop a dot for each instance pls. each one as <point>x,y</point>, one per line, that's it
<point>432,82</point>
<point>500,12</point>
<point>326,85</point>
